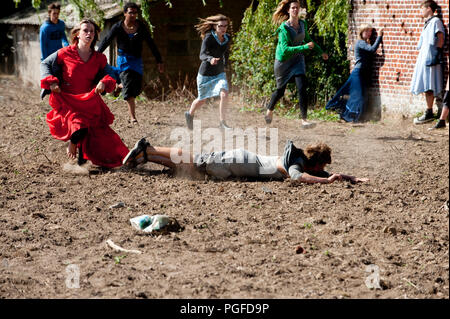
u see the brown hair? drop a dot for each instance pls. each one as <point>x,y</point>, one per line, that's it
<point>319,153</point>
<point>53,6</point>
<point>76,31</point>
<point>282,12</point>
<point>208,24</point>
<point>430,4</point>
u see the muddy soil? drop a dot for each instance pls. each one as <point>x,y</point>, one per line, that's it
<point>240,238</point>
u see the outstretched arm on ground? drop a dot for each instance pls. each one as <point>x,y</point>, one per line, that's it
<point>311,179</point>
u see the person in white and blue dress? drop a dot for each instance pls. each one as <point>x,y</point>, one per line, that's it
<point>211,77</point>
<point>428,72</point>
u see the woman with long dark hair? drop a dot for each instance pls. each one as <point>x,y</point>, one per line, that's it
<point>293,41</point>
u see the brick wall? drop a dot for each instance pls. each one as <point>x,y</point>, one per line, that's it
<point>396,56</point>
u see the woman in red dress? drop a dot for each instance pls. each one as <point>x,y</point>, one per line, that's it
<point>79,114</point>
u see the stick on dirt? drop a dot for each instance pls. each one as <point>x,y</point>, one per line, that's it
<point>114,246</point>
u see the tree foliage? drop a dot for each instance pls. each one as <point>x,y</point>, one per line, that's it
<point>90,8</point>
<point>253,51</point>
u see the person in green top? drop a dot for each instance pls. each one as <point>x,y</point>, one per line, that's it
<point>293,41</point>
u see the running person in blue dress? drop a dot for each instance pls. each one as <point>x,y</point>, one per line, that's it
<point>428,75</point>
<point>52,34</point>
<point>211,77</point>
<point>359,81</point>
<point>130,35</point>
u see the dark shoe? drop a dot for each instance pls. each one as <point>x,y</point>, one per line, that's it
<point>139,147</point>
<point>268,119</point>
<point>81,160</point>
<point>425,118</point>
<point>224,126</point>
<point>189,120</point>
<point>44,92</point>
<point>439,124</point>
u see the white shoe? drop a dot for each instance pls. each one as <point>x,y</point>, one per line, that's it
<point>307,125</point>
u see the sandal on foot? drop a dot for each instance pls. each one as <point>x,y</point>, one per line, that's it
<point>139,147</point>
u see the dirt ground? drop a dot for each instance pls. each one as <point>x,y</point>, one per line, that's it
<point>240,237</point>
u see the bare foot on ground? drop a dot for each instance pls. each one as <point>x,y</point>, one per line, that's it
<point>72,150</point>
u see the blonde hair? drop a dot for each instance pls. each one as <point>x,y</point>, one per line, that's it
<point>209,23</point>
<point>282,12</point>
<point>76,31</point>
<point>363,28</point>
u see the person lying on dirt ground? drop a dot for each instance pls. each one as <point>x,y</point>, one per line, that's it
<point>300,166</point>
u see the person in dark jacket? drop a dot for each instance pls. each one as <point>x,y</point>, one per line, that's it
<point>359,81</point>
<point>130,35</point>
<point>52,34</point>
<point>211,77</point>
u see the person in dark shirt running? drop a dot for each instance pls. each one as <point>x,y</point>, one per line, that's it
<point>130,35</point>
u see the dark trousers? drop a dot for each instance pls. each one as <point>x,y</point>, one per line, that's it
<point>300,82</point>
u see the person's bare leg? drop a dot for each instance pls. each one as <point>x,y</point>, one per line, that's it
<point>429,96</point>
<point>167,151</point>
<point>223,104</point>
<point>444,113</point>
<point>163,154</point>
<point>72,150</point>
<point>161,160</point>
<point>132,108</point>
<point>196,105</point>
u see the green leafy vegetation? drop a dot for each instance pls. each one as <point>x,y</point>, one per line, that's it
<point>253,69</point>
<point>90,9</point>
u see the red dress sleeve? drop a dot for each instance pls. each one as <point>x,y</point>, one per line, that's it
<point>47,81</point>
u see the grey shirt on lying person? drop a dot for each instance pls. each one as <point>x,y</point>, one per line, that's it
<point>242,163</point>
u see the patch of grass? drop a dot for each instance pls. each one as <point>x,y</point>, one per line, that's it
<point>141,98</point>
<point>292,113</point>
<point>323,115</point>
<point>118,259</point>
<point>307,225</point>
